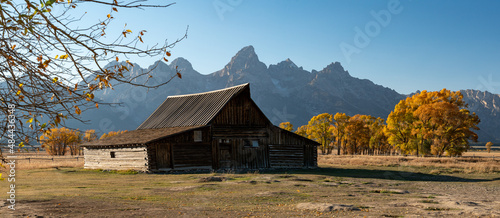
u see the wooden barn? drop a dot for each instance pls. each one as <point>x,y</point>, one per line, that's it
<point>222,129</point>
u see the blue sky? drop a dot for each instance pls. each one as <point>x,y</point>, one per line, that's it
<point>424,44</point>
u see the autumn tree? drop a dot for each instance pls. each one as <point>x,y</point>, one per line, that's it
<point>89,135</point>
<point>320,129</point>
<point>488,146</point>
<point>302,130</point>
<point>286,126</point>
<point>432,121</point>
<point>112,133</point>
<point>358,134</point>
<point>378,139</point>
<point>341,121</point>
<point>399,127</point>
<point>52,59</point>
<point>57,141</point>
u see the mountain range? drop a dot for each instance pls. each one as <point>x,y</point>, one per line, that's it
<point>283,91</point>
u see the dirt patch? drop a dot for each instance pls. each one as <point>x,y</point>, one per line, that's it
<point>390,191</point>
<point>326,207</point>
<point>269,193</point>
<point>213,179</point>
<point>182,188</point>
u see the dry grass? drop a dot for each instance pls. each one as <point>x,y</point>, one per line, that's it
<point>434,164</point>
<point>43,161</point>
<point>482,154</point>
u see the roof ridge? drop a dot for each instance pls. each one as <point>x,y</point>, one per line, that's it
<point>213,91</point>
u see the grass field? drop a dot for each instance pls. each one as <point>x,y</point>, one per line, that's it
<point>342,187</point>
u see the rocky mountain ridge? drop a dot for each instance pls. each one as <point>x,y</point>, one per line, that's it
<point>284,92</point>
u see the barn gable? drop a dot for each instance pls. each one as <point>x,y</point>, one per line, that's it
<point>191,110</point>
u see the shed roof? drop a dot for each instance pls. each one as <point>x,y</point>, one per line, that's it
<point>191,110</point>
<point>141,136</point>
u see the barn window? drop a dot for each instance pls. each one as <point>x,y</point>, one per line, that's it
<point>112,154</point>
<point>251,143</point>
<point>197,136</point>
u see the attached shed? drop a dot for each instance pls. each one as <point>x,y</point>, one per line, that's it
<point>222,129</point>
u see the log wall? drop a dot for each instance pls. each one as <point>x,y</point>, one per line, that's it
<point>288,150</point>
<point>286,156</point>
<point>132,158</point>
<point>180,152</point>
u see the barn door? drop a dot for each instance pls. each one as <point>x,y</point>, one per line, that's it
<point>163,158</point>
<point>225,155</point>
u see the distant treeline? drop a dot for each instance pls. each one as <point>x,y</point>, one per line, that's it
<point>428,123</point>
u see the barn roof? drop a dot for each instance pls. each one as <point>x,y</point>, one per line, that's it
<point>141,136</point>
<point>191,110</point>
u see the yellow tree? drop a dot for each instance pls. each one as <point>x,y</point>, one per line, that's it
<point>358,134</point>
<point>378,138</point>
<point>57,141</point>
<point>399,126</point>
<point>302,130</point>
<point>321,130</point>
<point>112,133</point>
<point>286,126</point>
<point>407,130</point>
<point>341,121</point>
<point>488,146</point>
<point>90,135</point>
<point>449,127</point>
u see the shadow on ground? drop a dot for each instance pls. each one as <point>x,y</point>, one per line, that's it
<point>385,174</point>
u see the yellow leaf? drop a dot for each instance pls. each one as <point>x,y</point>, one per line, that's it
<point>18,92</point>
<point>55,79</point>
<point>77,110</point>
<point>57,56</point>
<point>109,15</point>
<point>21,85</point>
<point>96,105</point>
<point>129,31</point>
<point>13,47</point>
